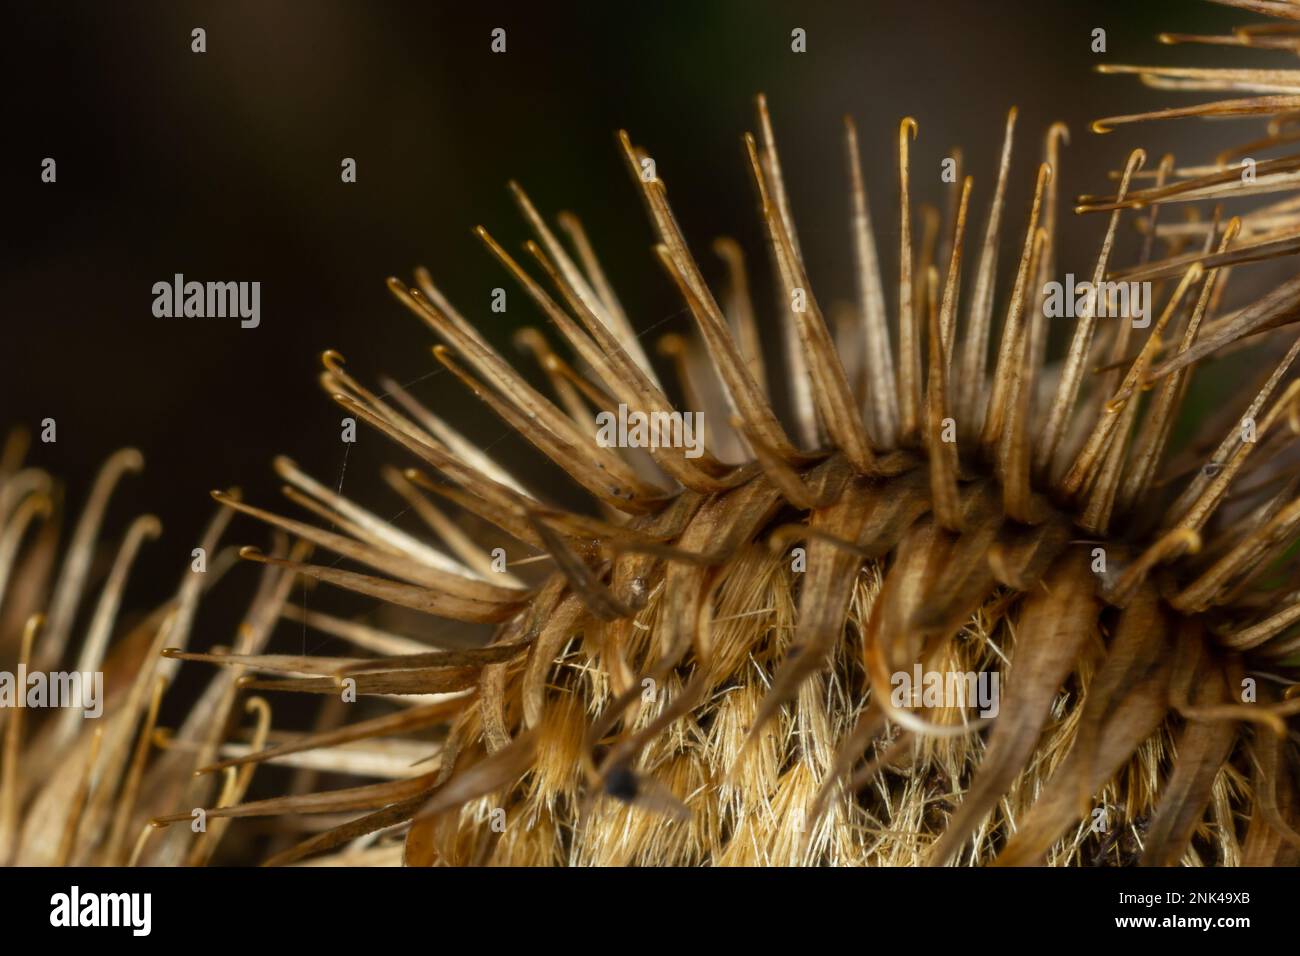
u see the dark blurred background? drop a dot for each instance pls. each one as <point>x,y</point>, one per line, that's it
<point>226,166</point>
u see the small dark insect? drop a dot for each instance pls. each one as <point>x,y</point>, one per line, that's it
<point>621,784</point>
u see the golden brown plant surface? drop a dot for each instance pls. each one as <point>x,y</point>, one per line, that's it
<point>702,670</point>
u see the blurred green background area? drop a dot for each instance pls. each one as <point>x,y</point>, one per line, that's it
<point>226,166</point>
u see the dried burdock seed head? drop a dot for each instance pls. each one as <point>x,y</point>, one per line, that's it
<point>86,770</point>
<point>970,601</point>
<point>958,610</point>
